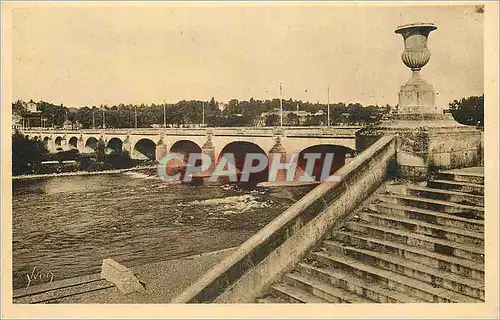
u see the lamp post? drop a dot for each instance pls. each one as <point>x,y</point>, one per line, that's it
<point>203,114</point>
<point>93,118</point>
<point>164,115</point>
<point>281,105</point>
<point>328,107</point>
<point>135,116</point>
<point>103,118</point>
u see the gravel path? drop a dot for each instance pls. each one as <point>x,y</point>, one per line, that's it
<point>163,280</point>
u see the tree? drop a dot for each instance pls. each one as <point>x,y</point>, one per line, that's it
<point>26,154</point>
<point>315,120</point>
<point>469,111</point>
<point>18,108</point>
<point>292,119</point>
<point>84,116</point>
<point>213,105</point>
<point>272,120</point>
<point>72,154</point>
<point>212,113</point>
<point>233,107</point>
<point>100,150</point>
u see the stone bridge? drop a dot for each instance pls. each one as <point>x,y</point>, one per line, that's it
<point>154,143</point>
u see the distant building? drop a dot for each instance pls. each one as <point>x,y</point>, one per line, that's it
<point>67,125</point>
<point>299,116</point>
<point>222,105</point>
<point>17,121</point>
<point>32,107</point>
<point>78,125</point>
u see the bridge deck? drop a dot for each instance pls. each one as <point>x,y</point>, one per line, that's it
<point>345,131</point>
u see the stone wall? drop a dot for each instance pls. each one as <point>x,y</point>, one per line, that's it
<point>449,149</point>
<point>482,148</point>
<point>428,145</point>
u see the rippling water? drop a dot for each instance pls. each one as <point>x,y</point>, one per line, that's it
<point>68,225</point>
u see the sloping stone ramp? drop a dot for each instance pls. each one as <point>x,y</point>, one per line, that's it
<point>409,244</point>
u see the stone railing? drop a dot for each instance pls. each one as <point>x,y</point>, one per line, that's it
<point>275,249</point>
<point>341,131</point>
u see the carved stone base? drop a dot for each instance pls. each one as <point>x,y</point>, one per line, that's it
<point>426,146</point>
<point>417,96</point>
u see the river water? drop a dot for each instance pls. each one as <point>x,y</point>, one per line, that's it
<point>68,225</point>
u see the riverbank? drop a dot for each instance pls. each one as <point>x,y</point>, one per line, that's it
<point>80,173</point>
<point>162,281</point>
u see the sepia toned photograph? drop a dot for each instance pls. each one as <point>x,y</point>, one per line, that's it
<point>178,153</point>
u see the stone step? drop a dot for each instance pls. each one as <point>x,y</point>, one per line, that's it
<point>270,299</point>
<point>463,176</point>
<point>59,284</point>
<point>66,291</point>
<point>437,194</point>
<point>414,262</point>
<point>470,212</point>
<point>429,216</point>
<point>469,187</point>
<point>356,287</point>
<point>444,247</point>
<point>398,282</point>
<point>293,294</point>
<point>322,289</point>
<point>418,226</point>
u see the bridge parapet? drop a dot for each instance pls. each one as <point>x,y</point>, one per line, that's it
<point>258,131</point>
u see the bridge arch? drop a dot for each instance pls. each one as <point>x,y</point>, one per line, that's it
<point>240,149</point>
<point>46,142</point>
<point>115,144</point>
<point>91,143</point>
<point>73,142</point>
<point>145,148</point>
<point>58,141</point>
<point>338,152</point>
<point>185,147</point>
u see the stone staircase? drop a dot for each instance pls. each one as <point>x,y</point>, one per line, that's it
<point>409,243</point>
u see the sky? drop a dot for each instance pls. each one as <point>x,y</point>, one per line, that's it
<point>153,53</point>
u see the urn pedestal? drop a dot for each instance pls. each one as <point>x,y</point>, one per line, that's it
<point>427,140</point>
<point>416,96</point>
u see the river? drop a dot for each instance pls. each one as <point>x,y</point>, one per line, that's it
<point>68,225</point>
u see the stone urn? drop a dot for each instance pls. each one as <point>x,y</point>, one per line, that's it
<point>416,96</point>
<point>416,54</point>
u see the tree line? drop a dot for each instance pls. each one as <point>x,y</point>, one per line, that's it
<point>195,112</point>
<point>468,110</point>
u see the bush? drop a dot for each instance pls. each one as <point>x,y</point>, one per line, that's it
<point>469,111</point>
<point>26,154</point>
